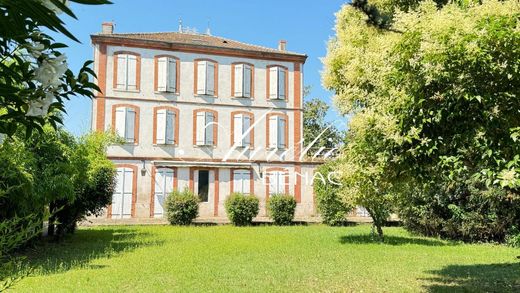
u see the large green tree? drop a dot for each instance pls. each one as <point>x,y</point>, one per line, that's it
<point>434,92</point>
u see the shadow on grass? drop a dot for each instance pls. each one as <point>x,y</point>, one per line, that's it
<point>392,240</point>
<point>504,277</point>
<point>80,249</point>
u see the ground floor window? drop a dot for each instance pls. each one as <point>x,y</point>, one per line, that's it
<point>241,181</point>
<point>122,197</point>
<point>277,180</point>
<point>163,187</point>
<point>203,185</point>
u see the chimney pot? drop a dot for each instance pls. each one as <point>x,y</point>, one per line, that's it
<point>282,45</point>
<point>107,28</point>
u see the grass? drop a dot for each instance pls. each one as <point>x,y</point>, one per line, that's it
<point>265,258</point>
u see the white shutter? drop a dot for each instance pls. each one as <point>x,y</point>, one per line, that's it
<point>120,121</point>
<point>130,125</point>
<point>172,75</point>
<point>161,127</point>
<point>162,73</point>
<point>282,136</point>
<point>200,128</point>
<point>201,77</point>
<point>273,132</point>
<point>127,192</point>
<point>117,197</point>
<point>281,83</point>
<point>170,127</point>
<point>132,72</point>
<point>163,188</point>
<point>237,184</point>
<point>273,83</point>
<point>239,80</point>
<point>121,71</point>
<point>245,129</point>
<point>247,81</point>
<point>245,182</point>
<point>210,79</point>
<point>273,183</point>
<point>238,130</point>
<point>209,128</point>
<point>241,181</point>
<point>280,176</point>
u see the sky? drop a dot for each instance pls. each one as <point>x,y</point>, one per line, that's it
<point>307,25</point>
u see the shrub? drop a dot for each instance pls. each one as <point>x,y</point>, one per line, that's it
<point>332,208</point>
<point>513,237</point>
<point>182,207</point>
<point>281,208</point>
<point>241,208</point>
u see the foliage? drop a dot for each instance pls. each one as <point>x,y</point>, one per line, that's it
<point>513,237</point>
<point>241,208</point>
<point>281,208</point>
<point>182,207</point>
<point>34,76</point>
<point>435,108</point>
<point>329,201</point>
<point>315,130</point>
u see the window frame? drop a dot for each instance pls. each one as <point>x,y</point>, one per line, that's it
<point>251,133</point>
<point>177,74</point>
<point>136,121</point>
<point>286,130</point>
<point>176,128</point>
<point>251,179</point>
<point>268,82</point>
<point>152,194</point>
<point>196,80</point>
<point>268,172</point>
<point>252,81</point>
<point>137,74</point>
<point>215,127</point>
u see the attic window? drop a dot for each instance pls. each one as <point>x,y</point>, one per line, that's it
<point>225,42</point>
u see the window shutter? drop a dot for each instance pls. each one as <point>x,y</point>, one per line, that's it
<point>170,127</point>
<point>281,182</point>
<point>201,77</point>
<point>273,83</point>
<point>172,75</point>
<point>120,121</point>
<point>282,136</point>
<point>245,182</point>
<point>130,125</point>
<point>132,72</point>
<point>237,181</point>
<point>247,81</point>
<point>200,128</point>
<point>238,130</point>
<point>246,125</point>
<point>273,132</point>
<point>162,74</point>
<point>281,83</point>
<point>209,128</point>
<point>121,71</point>
<point>210,79</point>
<point>239,70</point>
<point>161,127</point>
<point>273,183</point>
<point>127,192</point>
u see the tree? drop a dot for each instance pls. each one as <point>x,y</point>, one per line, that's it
<point>316,129</point>
<point>34,76</point>
<point>434,101</point>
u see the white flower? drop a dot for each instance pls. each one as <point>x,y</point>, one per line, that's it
<point>54,8</point>
<point>50,71</point>
<point>36,49</point>
<point>40,107</point>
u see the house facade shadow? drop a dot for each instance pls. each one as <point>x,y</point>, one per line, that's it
<point>392,240</point>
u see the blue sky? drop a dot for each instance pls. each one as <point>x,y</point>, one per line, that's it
<point>305,24</point>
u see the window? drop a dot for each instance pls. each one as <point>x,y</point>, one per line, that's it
<point>167,74</point>
<point>241,181</point>
<point>241,130</point>
<point>242,80</point>
<point>277,182</point>
<point>126,123</point>
<point>203,185</point>
<point>165,126</point>
<point>126,71</point>
<point>277,77</point>
<point>205,128</point>
<point>206,77</point>
<point>163,187</point>
<point>122,198</point>
<point>277,132</point>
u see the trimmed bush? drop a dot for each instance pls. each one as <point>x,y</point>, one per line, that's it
<point>241,208</point>
<point>182,207</point>
<point>281,208</point>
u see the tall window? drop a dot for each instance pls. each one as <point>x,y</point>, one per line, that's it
<point>277,76</point>
<point>126,71</point>
<point>203,185</point>
<point>206,77</point>
<point>167,74</point>
<point>163,187</point>
<point>277,127</point>
<point>126,123</point>
<point>243,80</point>
<point>241,130</point>
<point>166,120</point>
<point>241,181</point>
<point>277,182</point>
<point>205,128</point>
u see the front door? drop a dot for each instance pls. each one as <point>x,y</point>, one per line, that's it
<point>122,197</point>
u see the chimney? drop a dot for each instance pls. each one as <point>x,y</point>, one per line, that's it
<point>282,45</point>
<point>107,28</point>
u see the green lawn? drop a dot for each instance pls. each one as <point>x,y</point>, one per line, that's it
<point>265,258</point>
